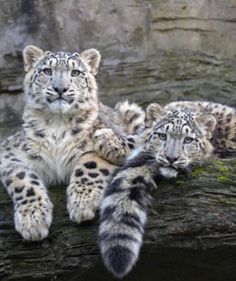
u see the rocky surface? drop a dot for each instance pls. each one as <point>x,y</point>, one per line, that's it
<point>191,235</point>
<point>151,50</point>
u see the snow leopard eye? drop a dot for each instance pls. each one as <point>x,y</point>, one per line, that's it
<point>75,73</point>
<point>47,71</point>
<point>188,140</point>
<point>162,137</point>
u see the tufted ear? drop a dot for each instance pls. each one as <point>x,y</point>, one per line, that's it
<point>31,55</point>
<point>92,58</point>
<point>208,123</point>
<point>154,112</point>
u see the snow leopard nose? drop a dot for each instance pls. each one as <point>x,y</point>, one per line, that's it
<point>60,91</point>
<point>172,159</point>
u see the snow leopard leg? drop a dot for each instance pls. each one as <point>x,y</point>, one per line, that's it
<point>87,185</point>
<point>32,206</point>
<point>113,147</point>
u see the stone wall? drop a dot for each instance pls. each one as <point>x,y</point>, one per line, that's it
<point>152,50</point>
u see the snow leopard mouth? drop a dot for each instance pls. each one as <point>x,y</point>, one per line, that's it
<point>60,99</point>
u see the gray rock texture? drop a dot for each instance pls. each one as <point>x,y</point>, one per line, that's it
<point>154,50</point>
<point>191,235</point>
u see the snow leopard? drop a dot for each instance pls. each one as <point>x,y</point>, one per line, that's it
<point>177,137</point>
<point>61,142</point>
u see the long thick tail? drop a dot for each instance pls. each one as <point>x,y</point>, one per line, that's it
<point>132,115</point>
<point>123,215</point>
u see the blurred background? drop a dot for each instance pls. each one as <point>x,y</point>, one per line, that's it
<point>152,50</point>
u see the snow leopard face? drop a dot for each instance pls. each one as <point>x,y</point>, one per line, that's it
<point>60,82</point>
<point>180,138</point>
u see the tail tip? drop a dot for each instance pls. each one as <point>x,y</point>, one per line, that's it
<point>119,260</point>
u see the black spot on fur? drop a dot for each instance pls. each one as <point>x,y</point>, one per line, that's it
<point>19,189</point>
<point>21,175</point>
<point>90,183</point>
<point>135,194</point>
<point>71,158</point>
<point>136,128</point>
<point>131,146</point>
<point>35,182</point>
<point>132,221</point>
<point>39,134</point>
<point>79,119</point>
<point>90,165</point>
<point>15,159</point>
<point>30,192</point>
<point>79,173</point>
<point>105,172</point>
<point>93,175</point>
<point>84,180</point>
<point>141,195</point>
<point>107,213</point>
<point>114,187</point>
<point>33,176</point>
<point>135,116</point>
<point>139,179</point>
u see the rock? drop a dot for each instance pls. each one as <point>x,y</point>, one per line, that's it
<point>191,226</point>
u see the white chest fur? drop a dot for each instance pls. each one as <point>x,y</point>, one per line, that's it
<point>55,154</point>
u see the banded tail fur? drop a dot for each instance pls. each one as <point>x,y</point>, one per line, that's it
<point>123,213</point>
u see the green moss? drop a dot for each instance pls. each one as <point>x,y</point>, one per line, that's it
<point>225,179</point>
<point>198,172</point>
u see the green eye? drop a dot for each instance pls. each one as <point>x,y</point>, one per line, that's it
<point>47,71</point>
<point>162,137</point>
<point>75,73</point>
<point>188,140</point>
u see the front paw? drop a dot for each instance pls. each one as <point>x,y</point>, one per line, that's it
<point>80,215</point>
<point>103,139</point>
<point>106,144</point>
<point>81,209</point>
<point>33,219</point>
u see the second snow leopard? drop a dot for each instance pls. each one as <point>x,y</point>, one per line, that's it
<point>61,118</point>
<point>178,136</point>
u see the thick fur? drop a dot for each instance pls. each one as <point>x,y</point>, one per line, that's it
<point>177,137</point>
<point>123,214</point>
<point>223,138</point>
<point>58,143</point>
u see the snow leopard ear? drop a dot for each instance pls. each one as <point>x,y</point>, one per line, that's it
<point>154,113</point>
<point>31,55</point>
<point>207,122</point>
<point>92,57</point>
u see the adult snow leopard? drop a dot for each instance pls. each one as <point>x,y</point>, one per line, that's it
<point>62,118</point>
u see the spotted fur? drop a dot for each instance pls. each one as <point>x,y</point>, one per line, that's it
<point>61,118</point>
<point>177,137</point>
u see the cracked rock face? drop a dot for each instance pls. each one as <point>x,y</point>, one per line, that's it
<point>151,50</point>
